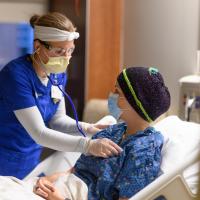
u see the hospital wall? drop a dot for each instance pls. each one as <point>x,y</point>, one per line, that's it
<point>16,34</point>
<point>13,11</point>
<point>163,34</point>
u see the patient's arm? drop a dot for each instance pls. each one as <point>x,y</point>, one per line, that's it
<point>123,199</point>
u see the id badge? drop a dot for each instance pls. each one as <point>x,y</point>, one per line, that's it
<point>56,94</point>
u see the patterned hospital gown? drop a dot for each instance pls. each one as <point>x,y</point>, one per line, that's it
<point>123,175</point>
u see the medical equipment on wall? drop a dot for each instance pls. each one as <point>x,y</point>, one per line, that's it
<point>189,100</point>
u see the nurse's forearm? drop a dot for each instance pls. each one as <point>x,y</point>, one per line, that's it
<point>32,121</point>
<point>63,123</point>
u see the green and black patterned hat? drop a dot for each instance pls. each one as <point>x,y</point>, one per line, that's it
<point>145,90</point>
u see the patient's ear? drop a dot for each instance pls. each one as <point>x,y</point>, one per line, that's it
<point>119,90</point>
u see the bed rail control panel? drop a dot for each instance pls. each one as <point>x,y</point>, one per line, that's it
<point>189,100</point>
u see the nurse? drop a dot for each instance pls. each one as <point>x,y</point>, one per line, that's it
<point>32,107</point>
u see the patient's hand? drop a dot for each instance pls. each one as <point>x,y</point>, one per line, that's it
<point>54,195</point>
<point>44,186</point>
<point>45,189</point>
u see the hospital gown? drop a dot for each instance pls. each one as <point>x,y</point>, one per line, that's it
<point>123,175</point>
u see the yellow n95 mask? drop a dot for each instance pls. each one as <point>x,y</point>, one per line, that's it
<point>56,65</point>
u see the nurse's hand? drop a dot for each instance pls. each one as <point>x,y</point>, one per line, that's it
<point>90,128</point>
<point>98,126</point>
<point>103,148</point>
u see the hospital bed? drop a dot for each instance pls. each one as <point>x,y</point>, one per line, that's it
<point>180,164</point>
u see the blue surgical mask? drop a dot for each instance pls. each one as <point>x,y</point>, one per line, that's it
<point>114,109</point>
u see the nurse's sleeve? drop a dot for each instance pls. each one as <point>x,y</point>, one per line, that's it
<point>32,121</point>
<point>63,123</point>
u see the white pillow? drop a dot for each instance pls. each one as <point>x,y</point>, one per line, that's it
<point>181,138</point>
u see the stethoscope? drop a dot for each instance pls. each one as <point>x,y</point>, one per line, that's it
<point>58,84</point>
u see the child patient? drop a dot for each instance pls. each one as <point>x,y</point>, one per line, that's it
<point>139,98</point>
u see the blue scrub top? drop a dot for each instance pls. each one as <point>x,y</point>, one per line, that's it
<point>21,88</point>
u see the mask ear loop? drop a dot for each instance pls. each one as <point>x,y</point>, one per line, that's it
<point>33,58</point>
<point>39,56</point>
<point>45,55</point>
<point>33,54</point>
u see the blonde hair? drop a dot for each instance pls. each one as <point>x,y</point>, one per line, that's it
<point>53,19</point>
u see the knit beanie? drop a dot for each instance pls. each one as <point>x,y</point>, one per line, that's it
<point>145,90</point>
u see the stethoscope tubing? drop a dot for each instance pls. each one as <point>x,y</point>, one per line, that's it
<point>72,104</point>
